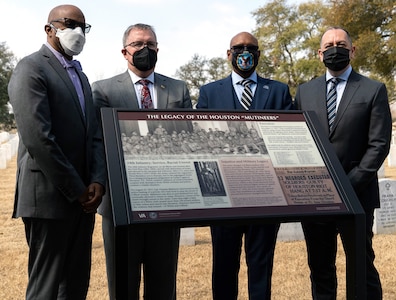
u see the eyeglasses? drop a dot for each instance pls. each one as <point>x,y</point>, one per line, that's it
<point>70,23</point>
<point>141,45</point>
<point>240,48</point>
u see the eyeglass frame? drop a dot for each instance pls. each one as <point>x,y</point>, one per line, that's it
<point>241,48</point>
<point>138,45</point>
<point>84,26</point>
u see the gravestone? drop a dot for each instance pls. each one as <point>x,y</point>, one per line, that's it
<point>392,156</point>
<point>14,141</point>
<point>7,150</point>
<point>381,171</point>
<point>4,136</point>
<point>385,216</point>
<point>290,232</point>
<point>3,159</point>
<point>187,236</point>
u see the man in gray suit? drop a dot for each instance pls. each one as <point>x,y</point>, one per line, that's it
<point>61,165</point>
<point>154,248</point>
<point>360,133</point>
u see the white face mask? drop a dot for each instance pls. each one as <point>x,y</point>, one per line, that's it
<point>71,40</point>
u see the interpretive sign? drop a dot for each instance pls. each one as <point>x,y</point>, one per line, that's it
<point>197,168</point>
<point>186,166</point>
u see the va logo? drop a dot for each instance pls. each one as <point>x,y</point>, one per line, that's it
<point>142,216</point>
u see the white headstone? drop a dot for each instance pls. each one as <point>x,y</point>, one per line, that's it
<point>385,216</point>
<point>187,236</point>
<point>3,159</point>
<point>392,156</point>
<point>4,136</point>
<point>7,148</point>
<point>381,172</point>
<point>14,141</point>
<point>290,232</point>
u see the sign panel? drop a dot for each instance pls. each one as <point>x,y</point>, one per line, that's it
<point>189,166</point>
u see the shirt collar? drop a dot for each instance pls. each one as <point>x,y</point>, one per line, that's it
<point>64,62</point>
<point>344,76</point>
<point>136,78</point>
<point>237,78</point>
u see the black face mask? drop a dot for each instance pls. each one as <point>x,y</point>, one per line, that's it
<point>245,62</point>
<point>144,59</point>
<point>336,58</point>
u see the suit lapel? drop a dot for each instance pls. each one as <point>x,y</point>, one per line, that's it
<point>127,94</point>
<point>320,101</point>
<point>162,89</point>
<point>224,90</point>
<point>262,93</point>
<point>351,86</point>
<point>60,70</point>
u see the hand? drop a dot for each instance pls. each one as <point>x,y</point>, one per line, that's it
<point>92,197</point>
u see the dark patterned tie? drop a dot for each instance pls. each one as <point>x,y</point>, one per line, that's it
<point>247,95</point>
<point>332,101</point>
<point>146,100</point>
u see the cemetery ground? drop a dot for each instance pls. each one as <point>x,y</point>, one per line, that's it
<point>290,276</point>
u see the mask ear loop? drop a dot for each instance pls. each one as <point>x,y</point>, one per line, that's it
<point>52,26</point>
<point>129,61</point>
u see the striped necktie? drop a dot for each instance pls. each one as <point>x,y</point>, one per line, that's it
<point>247,95</point>
<point>332,101</point>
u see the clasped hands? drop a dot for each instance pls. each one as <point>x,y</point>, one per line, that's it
<point>91,198</point>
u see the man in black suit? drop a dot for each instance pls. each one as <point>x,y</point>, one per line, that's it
<point>154,249</point>
<point>61,165</point>
<point>260,239</point>
<point>360,131</point>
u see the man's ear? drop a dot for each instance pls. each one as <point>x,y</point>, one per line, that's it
<point>47,28</point>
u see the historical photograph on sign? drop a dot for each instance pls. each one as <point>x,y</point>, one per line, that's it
<point>186,137</point>
<point>209,178</point>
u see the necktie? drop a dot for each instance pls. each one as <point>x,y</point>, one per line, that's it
<point>145,99</point>
<point>247,95</point>
<point>332,101</point>
<point>72,67</point>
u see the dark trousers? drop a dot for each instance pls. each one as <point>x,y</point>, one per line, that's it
<point>321,241</point>
<point>260,243</point>
<point>155,250</point>
<point>59,257</point>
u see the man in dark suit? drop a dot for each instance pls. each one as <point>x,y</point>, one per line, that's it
<point>156,249</point>
<point>360,134</point>
<point>228,94</point>
<point>61,165</point>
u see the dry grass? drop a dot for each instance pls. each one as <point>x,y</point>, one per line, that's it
<point>290,278</point>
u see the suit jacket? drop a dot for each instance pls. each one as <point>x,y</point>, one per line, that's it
<point>270,94</point>
<point>119,92</point>
<point>60,150</point>
<point>361,132</point>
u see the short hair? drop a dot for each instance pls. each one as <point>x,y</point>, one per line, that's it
<point>337,27</point>
<point>139,26</point>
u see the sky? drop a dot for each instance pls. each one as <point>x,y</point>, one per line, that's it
<point>183,28</point>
